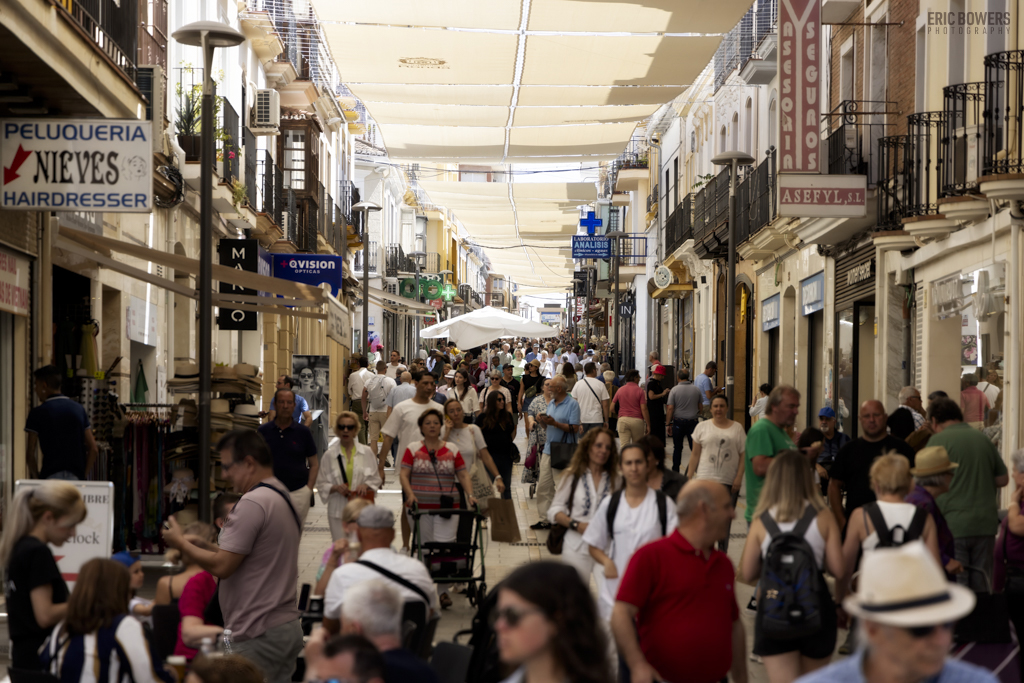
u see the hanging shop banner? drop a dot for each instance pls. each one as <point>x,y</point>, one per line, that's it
<point>812,293</point>
<point>800,82</point>
<point>311,377</point>
<point>14,284</point>
<point>429,289</point>
<point>823,196</point>
<point>94,536</point>
<point>339,324</point>
<point>312,269</point>
<point>947,297</point>
<point>770,313</point>
<point>245,255</point>
<point>551,317</point>
<point>591,246</point>
<point>77,165</point>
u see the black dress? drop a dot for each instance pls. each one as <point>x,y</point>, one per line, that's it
<point>656,409</point>
<point>499,440</point>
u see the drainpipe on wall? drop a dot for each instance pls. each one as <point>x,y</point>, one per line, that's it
<point>908,347</point>
<point>1011,374</point>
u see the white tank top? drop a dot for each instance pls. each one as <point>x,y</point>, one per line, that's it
<point>813,538</point>
<point>894,514</point>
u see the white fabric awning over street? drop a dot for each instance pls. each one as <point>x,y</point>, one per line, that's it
<point>509,81</point>
<point>485,325</point>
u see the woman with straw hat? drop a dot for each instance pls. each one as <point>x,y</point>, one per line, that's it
<point>932,477</point>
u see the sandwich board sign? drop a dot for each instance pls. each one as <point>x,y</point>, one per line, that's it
<point>94,536</point>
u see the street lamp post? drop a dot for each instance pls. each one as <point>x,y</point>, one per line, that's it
<point>733,160</point>
<point>586,303</point>
<point>616,235</point>
<point>209,35</point>
<point>415,256</point>
<point>363,208</point>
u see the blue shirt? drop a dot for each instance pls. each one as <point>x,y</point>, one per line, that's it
<point>60,424</point>
<point>703,382</point>
<point>850,670</point>
<point>566,412</point>
<point>300,407</point>
<point>290,447</point>
<point>401,393</point>
<point>530,356</point>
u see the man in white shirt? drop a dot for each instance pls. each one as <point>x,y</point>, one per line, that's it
<point>504,358</point>
<point>990,387</point>
<point>403,425</point>
<point>395,367</point>
<point>375,407</point>
<point>640,515</point>
<point>573,356</point>
<point>378,561</point>
<point>592,395</point>
<point>356,383</point>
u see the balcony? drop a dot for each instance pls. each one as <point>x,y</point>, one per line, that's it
<point>1002,157</point>
<point>679,226</point>
<point>923,176</point>
<point>631,168</point>
<point>430,262</point>
<point>396,262</point>
<point>346,194</point>
<point>373,257</point>
<point>759,43</point>
<point>710,217</point>
<point>112,26</point>
<point>269,190</point>
<point>497,299</point>
<point>757,208</point>
<point>228,151</point>
<point>961,152</point>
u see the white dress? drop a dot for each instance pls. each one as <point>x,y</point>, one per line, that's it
<point>575,550</point>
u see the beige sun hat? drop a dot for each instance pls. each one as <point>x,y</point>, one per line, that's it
<point>906,587</point>
<point>932,460</point>
<point>220,406</point>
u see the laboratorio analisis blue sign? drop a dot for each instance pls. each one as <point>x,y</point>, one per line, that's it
<point>313,270</point>
<point>591,246</point>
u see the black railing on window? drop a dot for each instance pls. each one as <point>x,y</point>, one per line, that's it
<point>893,186</point>
<point>249,143</point>
<point>432,262</point>
<point>269,191</point>
<point>345,188</point>
<point>372,257</point>
<point>112,27</point>
<point>854,127</point>
<point>925,131</point>
<point>679,226</point>
<point>227,142</point>
<point>744,191</point>
<point>962,141</point>
<point>761,204</point>
<point>396,261</point>
<point>1004,113</point>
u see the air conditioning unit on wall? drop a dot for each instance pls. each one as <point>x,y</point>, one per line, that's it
<point>265,118</point>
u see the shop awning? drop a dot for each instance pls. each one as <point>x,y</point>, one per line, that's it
<point>387,299</point>
<point>294,293</point>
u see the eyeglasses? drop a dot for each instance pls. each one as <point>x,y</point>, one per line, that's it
<point>511,615</point>
<point>306,375</point>
<point>925,631</point>
<point>345,428</point>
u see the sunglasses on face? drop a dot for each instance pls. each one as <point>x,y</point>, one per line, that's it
<point>345,428</point>
<point>925,631</point>
<point>511,615</point>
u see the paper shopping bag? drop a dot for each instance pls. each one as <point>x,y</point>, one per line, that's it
<point>504,525</point>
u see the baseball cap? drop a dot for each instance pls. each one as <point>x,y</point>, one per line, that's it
<point>827,412</point>
<point>125,558</point>
<point>376,517</point>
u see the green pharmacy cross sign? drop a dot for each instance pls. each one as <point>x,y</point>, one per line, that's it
<point>448,292</point>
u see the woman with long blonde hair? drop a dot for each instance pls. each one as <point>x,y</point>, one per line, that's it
<point>790,494</point>
<point>36,593</point>
<point>592,475</point>
<point>169,588</point>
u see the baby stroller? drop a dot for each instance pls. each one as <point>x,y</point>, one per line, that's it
<point>531,469</point>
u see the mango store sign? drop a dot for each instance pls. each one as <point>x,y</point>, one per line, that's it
<point>823,196</point>
<point>799,80</point>
<point>77,165</point>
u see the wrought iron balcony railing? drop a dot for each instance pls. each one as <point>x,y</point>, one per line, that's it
<point>1004,113</point>
<point>679,226</point>
<point>111,25</point>
<point>962,139</point>
<point>854,129</point>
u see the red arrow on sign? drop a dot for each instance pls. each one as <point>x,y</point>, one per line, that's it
<point>11,173</point>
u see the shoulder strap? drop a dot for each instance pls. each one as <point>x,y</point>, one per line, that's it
<point>396,578</point>
<point>341,466</point>
<point>613,509</point>
<point>591,388</point>
<point>662,510</point>
<point>769,525</point>
<point>287,499</point>
<point>916,529</point>
<point>810,515</point>
<point>878,521</point>
<point>572,492</point>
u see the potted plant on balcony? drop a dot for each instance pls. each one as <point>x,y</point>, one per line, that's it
<point>187,122</point>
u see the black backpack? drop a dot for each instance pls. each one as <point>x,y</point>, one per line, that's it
<point>897,536</point>
<point>613,507</point>
<point>790,603</point>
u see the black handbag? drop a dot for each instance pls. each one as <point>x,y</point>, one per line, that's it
<point>988,622</point>
<point>556,537</point>
<point>562,451</point>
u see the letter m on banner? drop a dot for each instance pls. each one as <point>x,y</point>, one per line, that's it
<point>799,86</point>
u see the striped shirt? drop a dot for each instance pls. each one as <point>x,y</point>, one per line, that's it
<point>110,655</point>
<point>431,479</point>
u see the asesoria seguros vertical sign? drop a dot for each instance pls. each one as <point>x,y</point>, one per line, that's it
<point>799,81</point>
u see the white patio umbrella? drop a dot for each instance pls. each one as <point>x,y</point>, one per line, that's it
<point>485,325</point>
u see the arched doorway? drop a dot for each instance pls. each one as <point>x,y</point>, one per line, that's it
<point>741,365</point>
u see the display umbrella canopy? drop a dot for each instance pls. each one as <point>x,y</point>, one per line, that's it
<point>486,325</point>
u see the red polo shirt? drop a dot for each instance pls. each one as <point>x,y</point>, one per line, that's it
<point>687,607</point>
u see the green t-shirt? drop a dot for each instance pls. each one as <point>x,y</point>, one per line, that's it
<point>764,438</point>
<point>970,507</point>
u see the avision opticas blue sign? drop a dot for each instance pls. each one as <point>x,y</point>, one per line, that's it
<point>591,246</point>
<point>77,165</point>
<point>313,269</point>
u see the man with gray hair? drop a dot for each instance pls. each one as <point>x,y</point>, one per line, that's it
<point>973,401</point>
<point>767,437</point>
<point>684,404</point>
<point>373,609</point>
<point>907,417</point>
<point>675,616</point>
<point>562,420</point>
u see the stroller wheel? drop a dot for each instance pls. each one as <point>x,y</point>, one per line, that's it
<point>482,593</point>
<point>471,593</point>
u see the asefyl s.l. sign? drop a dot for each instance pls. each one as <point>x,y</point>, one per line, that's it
<point>799,83</point>
<point>77,165</point>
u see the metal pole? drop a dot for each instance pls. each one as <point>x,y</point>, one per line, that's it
<point>618,353</point>
<point>417,299</point>
<point>206,281</point>
<point>366,284</point>
<point>586,311</point>
<point>730,289</point>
